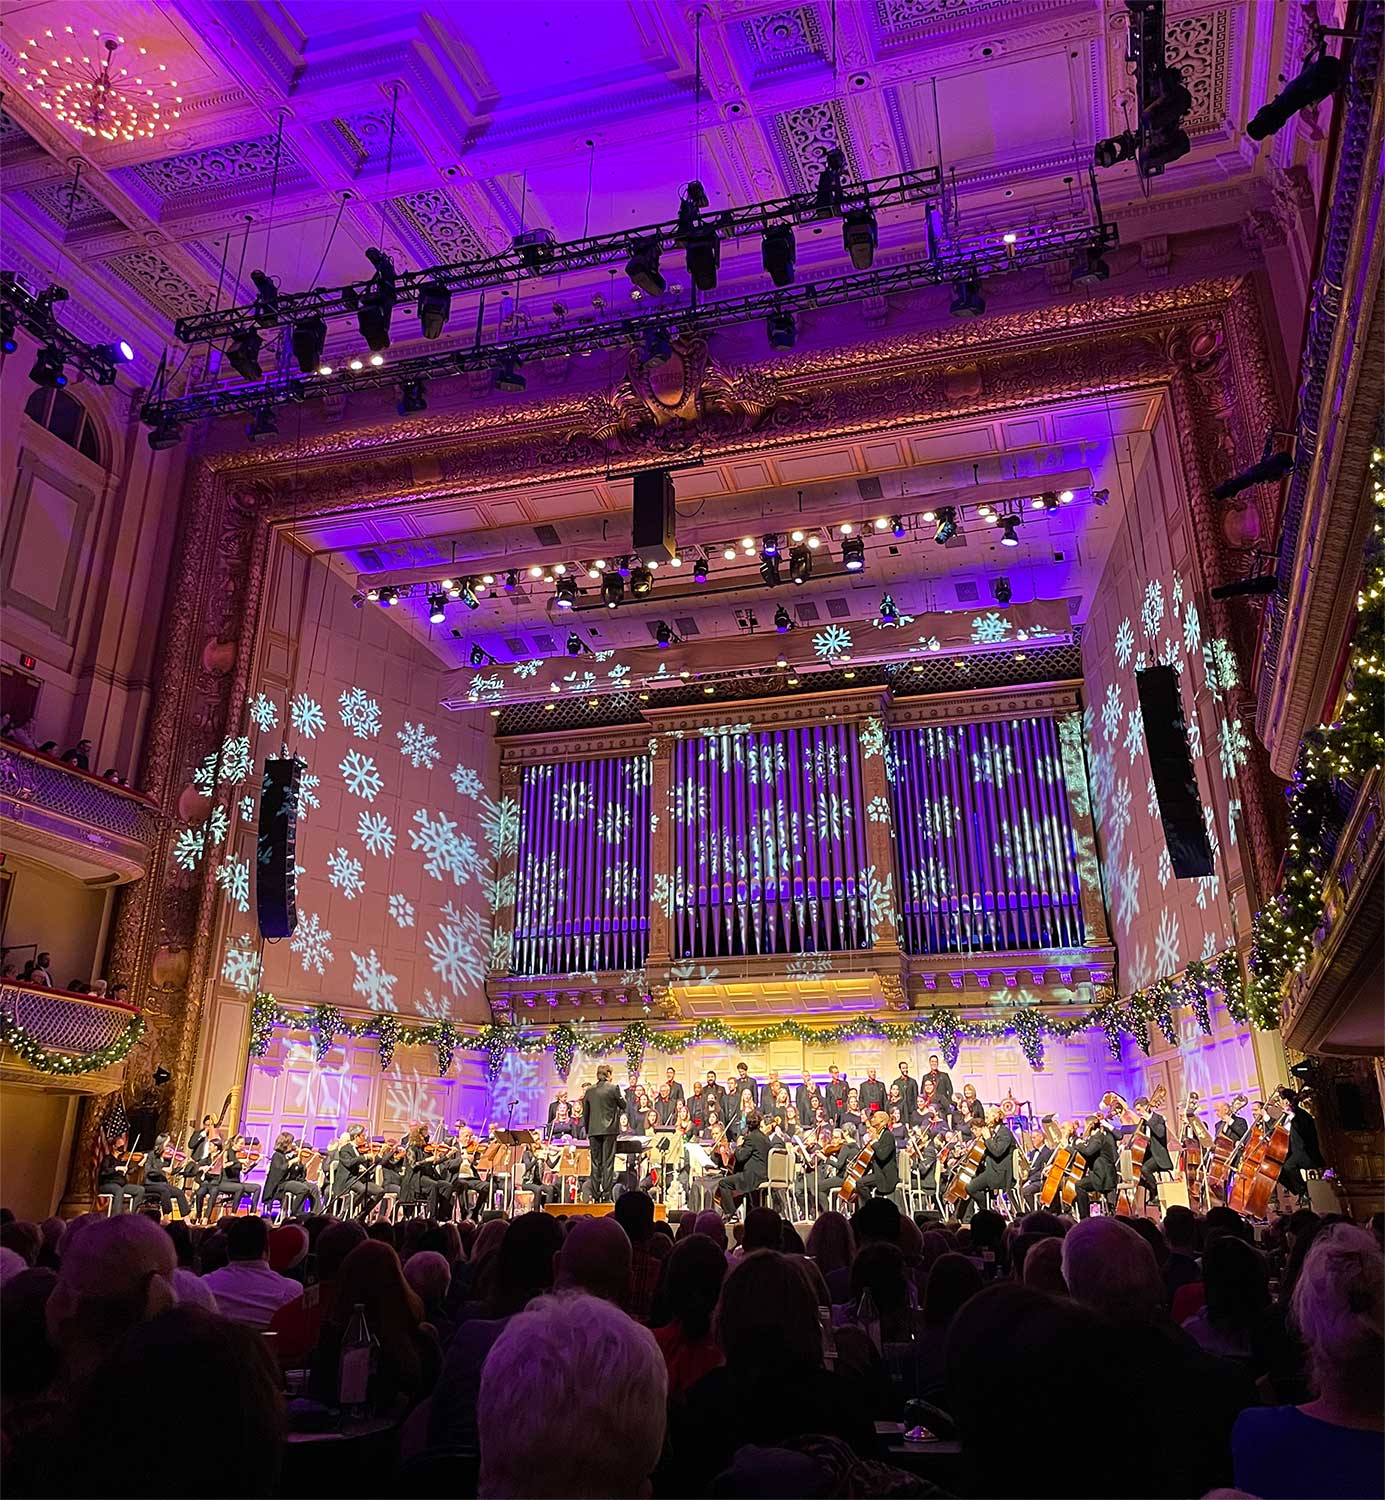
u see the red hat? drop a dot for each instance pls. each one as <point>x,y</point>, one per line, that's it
<point>287,1246</point>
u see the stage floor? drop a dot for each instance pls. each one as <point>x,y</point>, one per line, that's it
<point>593,1210</point>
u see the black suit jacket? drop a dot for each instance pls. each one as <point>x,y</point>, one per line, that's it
<point>1158,1154</point>
<point>871,1095</point>
<point>942,1084</point>
<point>601,1109</point>
<point>767,1099</point>
<point>1235,1127</point>
<point>347,1166</point>
<point>713,1093</point>
<point>805,1103</point>
<point>675,1092</point>
<point>1000,1154</point>
<point>908,1096</point>
<point>278,1166</point>
<point>752,1157</point>
<point>1304,1151</point>
<point>886,1162</point>
<point>1099,1152</point>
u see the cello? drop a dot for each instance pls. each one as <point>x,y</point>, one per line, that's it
<point>1252,1190</point>
<point>856,1169</point>
<point>1065,1170</point>
<point>972,1159</point>
<point>1225,1149</point>
<point>1195,1138</point>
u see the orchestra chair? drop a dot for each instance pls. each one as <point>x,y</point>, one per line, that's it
<point>1324,1195</point>
<point>782,1180</point>
<point>1173,1191</point>
<point>105,1204</point>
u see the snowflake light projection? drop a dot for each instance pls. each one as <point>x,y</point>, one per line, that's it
<point>878,810</point>
<point>1125,643</point>
<point>871,736</point>
<point>402,910</point>
<point>809,966</point>
<point>1118,814</point>
<point>1112,712</point>
<point>1233,747</point>
<point>613,825</point>
<point>264,713</point>
<point>373,982</point>
<point>1176,591</point>
<point>1138,972</point>
<point>359,775</point>
<point>1164,869</point>
<point>831,642</point>
<point>1128,894</point>
<point>528,668</point>
<point>359,713</point>
<point>204,776</point>
<point>234,763</point>
<point>500,824</point>
<point>218,824</point>
<point>1219,660</point>
<point>1192,630</point>
<point>1209,886</point>
<point>1195,738</point>
<point>1151,797</point>
<point>1152,610</point>
<point>418,746</point>
<point>457,948</point>
<point>311,942</point>
<point>990,629</point>
<point>1134,734</point>
<point>467,782</point>
<point>344,873</point>
<point>1167,945</point>
<point>247,808</point>
<point>189,847</point>
<point>233,876</point>
<point>573,802</point>
<point>240,967</point>
<point>375,833</point>
<point>307,792</point>
<point>306,716</point>
<point>993,762</point>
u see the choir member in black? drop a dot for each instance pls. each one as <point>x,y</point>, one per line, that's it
<point>808,1100</point>
<point>895,1100</point>
<point>742,1080</point>
<point>562,1123</point>
<point>908,1094</point>
<point>675,1089</point>
<point>1228,1124</point>
<point>942,1082</point>
<point>1098,1150</point>
<point>769,1094</point>
<point>881,1176</point>
<point>871,1093</point>
<point>740,1120</point>
<point>228,1183</point>
<point>286,1179</point>
<point>1157,1157</point>
<point>1305,1155</point>
<point>157,1164</point>
<point>559,1099</point>
<point>997,1171</point>
<point>972,1110</point>
<point>714,1094</point>
<point>111,1178</point>
<point>853,1114</point>
<point>665,1106</point>
<point>835,1094</point>
<point>898,1129</point>
<point>751,1168</point>
<point>601,1110</point>
<point>353,1174</point>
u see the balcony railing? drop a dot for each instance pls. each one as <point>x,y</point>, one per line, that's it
<point>60,1021</point>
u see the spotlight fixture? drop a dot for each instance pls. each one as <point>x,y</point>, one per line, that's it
<point>388,594</point>
<point>782,620</point>
<point>1090,269</point>
<point>166,434</point>
<point>507,374</point>
<point>262,425</point>
<point>815,541</point>
<point>860,236</point>
<point>1002,590</point>
<point>244,353</point>
<point>8,327</point>
<point>658,349</point>
<point>377,303</point>
<point>565,594</point>
<point>47,370</point>
<point>643,267</point>
<point>828,195</point>
<point>480,657</point>
<point>467,594</point>
<point>703,258</point>
<point>769,570</point>
<point>778,252</point>
<point>769,545</point>
<point>947,524</point>
<point>967,301</point>
<point>511,580</point>
<point>782,330</point>
<point>700,570</point>
<point>437,608</point>
<point>728,554</point>
<point>412,397</point>
<point>119,353</point>
<point>800,565</point>
<point>434,308</point>
<point>897,527</point>
<point>882,523</point>
<point>266,296</point>
<point>612,589</point>
<point>309,339</point>
<point>889,615</point>
<point>1008,537</point>
<point>641,580</point>
<point>1065,497</point>
<point>663,635</point>
<point>1116,148</point>
<point>1322,76</point>
<point>574,644</point>
<point>1271,468</point>
<point>854,554</point>
<point>1049,500</point>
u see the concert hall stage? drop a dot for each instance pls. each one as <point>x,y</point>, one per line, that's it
<point>592,1210</point>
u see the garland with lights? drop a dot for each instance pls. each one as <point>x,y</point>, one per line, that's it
<point>64,1064</point>
<point>1345,751</point>
<point>327,1024</point>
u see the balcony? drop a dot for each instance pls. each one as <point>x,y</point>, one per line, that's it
<point>88,828</point>
<point>72,1028</point>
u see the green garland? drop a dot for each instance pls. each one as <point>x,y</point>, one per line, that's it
<point>326,1024</point>
<point>63,1064</point>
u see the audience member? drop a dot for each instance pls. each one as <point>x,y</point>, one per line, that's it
<point>830,1243</point>
<point>1237,1288</point>
<point>595,1258</point>
<point>634,1212</point>
<point>79,755</point>
<point>429,1275</point>
<point>247,1289</point>
<point>298,1324</point>
<point>1043,1267</point>
<point>1180,1235</point>
<point>684,1307</point>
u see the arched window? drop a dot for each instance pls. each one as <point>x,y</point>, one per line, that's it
<point>66,418</point>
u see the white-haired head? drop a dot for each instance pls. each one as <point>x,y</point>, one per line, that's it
<point>1109,1267</point>
<point>1339,1308</point>
<point>600,1381</point>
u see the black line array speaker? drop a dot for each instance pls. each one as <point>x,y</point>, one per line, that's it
<point>1175,783</point>
<point>276,900</point>
<point>654,526</point>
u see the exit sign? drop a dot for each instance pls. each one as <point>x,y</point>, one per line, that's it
<point>28,663</point>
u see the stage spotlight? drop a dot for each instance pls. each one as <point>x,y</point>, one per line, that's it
<point>1322,76</point>
<point>511,580</point>
<point>643,268</point>
<point>1117,148</point>
<point>47,370</point>
<point>889,615</point>
<point>1090,269</point>
<point>700,570</point>
<point>1268,471</point>
<point>565,594</point>
<point>309,340</point>
<point>800,565</point>
<point>262,425</point>
<point>377,303</point>
<point>167,434</point>
<point>782,620</point>
<point>1049,500</point>
<point>782,330</point>
<point>437,608</point>
<point>1065,497</point>
<point>770,544</point>
<point>769,570</point>
<point>612,589</point>
<point>467,594</point>
<point>853,554</point>
<point>641,581</point>
<point>947,524</point>
<point>244,353</point>
<point>663,635</point>
<point>387,595</point>
<point>778,252</point>
<point>119,353</point>
<point>434,308</point>
<point>1008,537</point>
<point>479,657</point>
<point>860,236</point>
<point>828,194</point>
<point>8,326</point>
<point>574,644</point>
<point>897,527</point>
<point>507,374</point>
<point>1163,147</point>
<point>413,397</point>
<point>967,301</point>
<point>703,258</point>
<point>1002,591</point>
<point>266,297</point>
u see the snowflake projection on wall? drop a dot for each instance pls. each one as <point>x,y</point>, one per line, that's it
<point>457,948</point>
<point>1164,868</point>
<point>877,897</point>
<point>580,682</point>
<point>1209,886</point>
<point>993,762</point>
<point>434,1007</point>
<point>1219,660</point>
<point>618,673</point>
<point>767,763</point>
<point>445,851</point>
<point>344,873</point>
<point>467,782</point>
<point>306,716</point>
<point>218,824</point>
<point>189,847</point>
<point>1195,738</point>
<point>233,876</point>
<point>1170,655</point>
<point>1167,945</point>
<point>359,713</point>
<point>307,792</point>
<point>528,668</point>
<point>614,824</point>
<point>1192,629</point>
<point>989,629</point>
<point>311,942</point>
<point>1151,796</point>
<point>402,910</point>
<point>1176,591</point>
<point>240,967</point>
<point>247,808</point>
<point>1152,610</point>
<point>1112,712</point>
<point>264,713</point>
<point>1118,814</point>
<point>872,737</point>
<point>1233,814</point>
<point>573,802</point>
<point>520,1077</point>
<point>1138,972</point>
<point>1134,734</point>
<point>500,824</point>
<point>1125,643</point>
<point>375,833</point>
<point>1103,775</point>
<point>688,802</point>
<point>809,966</point>
<point>661,893</point>
<point>410,1094</point>
<point>234,763</point>
<point>417,745</point>
<point>1233,748</point>
<point>359,775</point>
<point>204,776</point>
<point>1128,894</point>
<point>939,816</point>
<point>485,687</point>
<point>878,810</point>
<point>373,982</point>
<point>831,642</point>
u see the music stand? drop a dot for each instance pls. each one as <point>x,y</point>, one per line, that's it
<point>661,1148</point>
<point>514,1142</point>
<point>574,1163</point>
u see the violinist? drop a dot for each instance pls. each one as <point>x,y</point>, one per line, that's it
<point>422,1181</point>
<point>837,1157</point>
<point>286,1178</point>
<point>228,1183</point>
<point>201,1144</point>
<point>751,1166</point>
<point>351,1174</point>
<point>1228,1123</point>
<point>997,1170</point>
<point>1098,1150</point>
<point>1157,1157</point>
<point>110,1177</point>
<point>157,1164</point>
<point>1305,1155</point>
<point>462,1182</point>
<point>1041,1156</point>
<point>926,1141</point>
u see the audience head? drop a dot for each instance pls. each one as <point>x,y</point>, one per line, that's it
<point>595,1258</point>
<point>764,1230</point>
<point>1153,1236</point>
<point>1043,1267</point>
<point>288,1247</point>
<point>27,1361</point>
<point>525,1261</point>
<point>12,1263</point>
<point>987,1230</point>
<point>1338,1309</point>
<point>1109,1267</point>
<point>335,1243</point>
<point>692,1283</point>
<point>429,1275</point>
<point>830,1241</point>
<point>24,1238</point>
<point>1222,1220</point>
<point>634,1212</point>
<point>876,1222</point>
<point>601,1383</point>
<point>246,1238</point>
<point>881,1271</point>
<point>1236,1284</point>
<point>767,1319</point>
<point>711,1223</point>
<point>1180,1229</point>
<point>953,1280</point>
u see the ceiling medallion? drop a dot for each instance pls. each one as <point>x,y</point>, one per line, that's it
<point>91,93</point>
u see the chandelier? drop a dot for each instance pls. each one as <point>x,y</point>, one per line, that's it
<point>90,93</point>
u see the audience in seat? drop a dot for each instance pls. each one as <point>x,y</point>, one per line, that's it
<point>683,1312</point>
<point>246,1288</point>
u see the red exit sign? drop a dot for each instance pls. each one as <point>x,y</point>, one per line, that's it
<point>28,663</point>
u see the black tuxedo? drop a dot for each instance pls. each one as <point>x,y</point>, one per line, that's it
<point>942,1086</point>
<point>666,1110</point>
<point>1033,1183</point>
<point>1234,1126</point>
<point>807,1096</point>
<point>736,1084</point>
<point>834,1097</point>
<point>1098,1151</point>
<point>1304,1152</point>
<point>1157,1157</point>
<point>675,1092</point>
<point>713,1093</point>
<point>602,1106</point>
<point>997,1170</point>
<point>767,1099</point>
<point>908,1098</point>
<point>752,1167</point>
<point>872,1095</point>
<point>882,1175</point>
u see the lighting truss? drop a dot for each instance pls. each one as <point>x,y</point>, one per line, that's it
<point>981,256</point>
<point>34,313</point>
<point>538,254</point>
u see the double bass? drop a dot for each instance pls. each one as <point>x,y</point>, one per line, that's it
<point>1225,1149</point>
<point>1065,1170</point>
<point>1257,1175</point>
<point>972,1160</point>
<point>1194,1142</point>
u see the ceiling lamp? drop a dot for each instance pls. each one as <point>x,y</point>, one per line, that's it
<point>782,620</point>
<point>437,609</point>
<point>853,554</point>
<point>467,594</point>
<point>574,644</point>
<point>1002,590</point>
<point>377,301</point>
<point>643,268</point>
<point>882,523</point>
<point>387,595</point>
<point>47,369</point>
<point>262,425</point>
<point>1116,148</point>
<point>1065,497</point>
<point>769,546</point>
<point>700,570</point>
<point>1049,500</point>
<point>1322,76</point>
<point>782,330</point>
<point>704,257</point>
<point>967,301</point>
<point>769,570</point>
<point>778,252</point>
<point>641,581</point>
<point>434,308</point>
<point>1008,536</point>
<point>947,524</point>
<point>89,94</point>
<point>565,594</point>
<point>800,565</point>
<point>612,589</point>
<point>511,580</point>
<point>244,353</point>
<point>9,325</point>
<point>897,527</point>
<point>860,236</point>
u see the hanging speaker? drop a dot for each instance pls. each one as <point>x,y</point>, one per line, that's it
<point>1175,784</point>
<point>276,903</point>
<point>654,522</point>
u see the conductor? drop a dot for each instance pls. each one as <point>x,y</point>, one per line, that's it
<point>601,1110</point>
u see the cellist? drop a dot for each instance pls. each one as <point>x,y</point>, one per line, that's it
<point>1228,1123</point>
<point>1305,1155</point>
<point>881,1177</point>
<point>1157,1157</point>
<point>1098,1150</point>
<point>997,1167</point>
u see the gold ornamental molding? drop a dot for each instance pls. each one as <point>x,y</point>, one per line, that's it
<point>849,705</point>
<point>1047,701</point>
